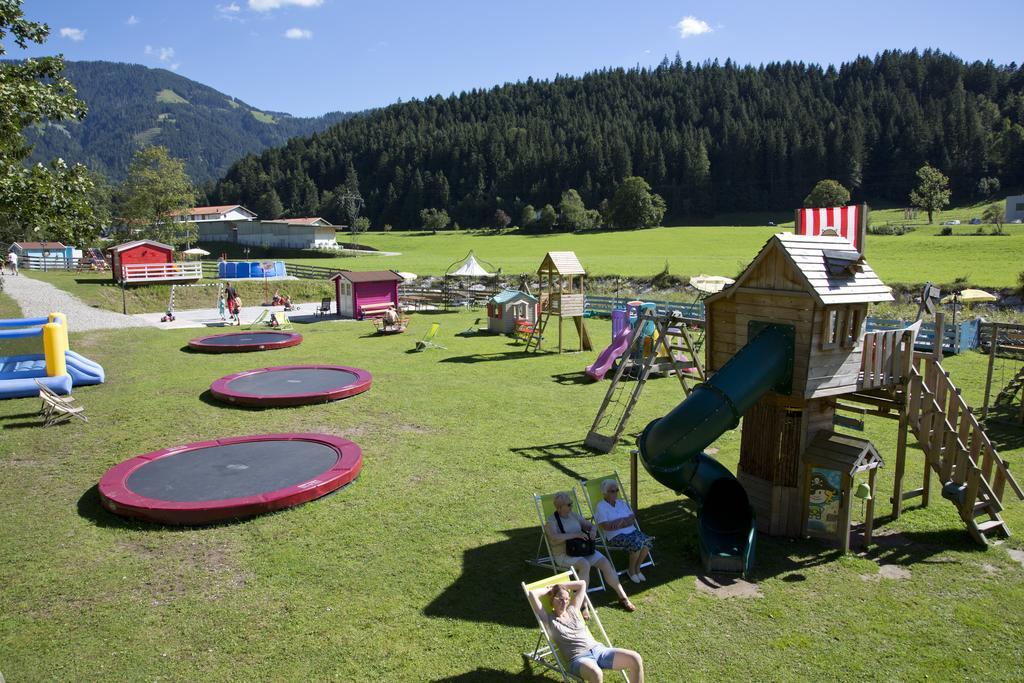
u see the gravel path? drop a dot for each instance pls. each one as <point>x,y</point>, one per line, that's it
<point>37,299</point>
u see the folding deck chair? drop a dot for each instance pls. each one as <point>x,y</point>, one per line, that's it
<point>56,408</point>
<point>545,505</point>
<point>592,495</point>
<point>262,317</point>
<point>428,339</point>
<point>545,652</point>
<point>325,306</point>
<point>280,321</point>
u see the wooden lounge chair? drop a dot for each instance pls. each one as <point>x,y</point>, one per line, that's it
<point>56,408</point>
<point>592,495</point>
<point>428,339</point>
<point>545,652</point>
<point>325,307</point>
<point>262,317</point>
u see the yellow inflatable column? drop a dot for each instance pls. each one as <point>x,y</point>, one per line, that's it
<point>55,344</point>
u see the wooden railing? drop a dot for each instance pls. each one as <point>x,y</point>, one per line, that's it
<point>886,357</point>
<point>956,446</point>
<point>160,272</point>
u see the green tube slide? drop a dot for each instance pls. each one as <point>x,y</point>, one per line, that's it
<point>671,448</point>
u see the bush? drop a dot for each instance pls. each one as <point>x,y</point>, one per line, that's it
<point>946,231</point>
<point>887,229</point>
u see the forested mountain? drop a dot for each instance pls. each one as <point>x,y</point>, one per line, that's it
<point>708,137</point>
<point>131,106</point>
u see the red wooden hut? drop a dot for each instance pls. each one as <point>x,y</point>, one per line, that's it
<point>143,261</point>
<point>365,294</point>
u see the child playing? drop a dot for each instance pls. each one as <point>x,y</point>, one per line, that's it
<point>222,307</point>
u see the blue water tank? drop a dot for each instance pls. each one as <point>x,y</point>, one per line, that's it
<point>255,270</point>
<point>279,269</point>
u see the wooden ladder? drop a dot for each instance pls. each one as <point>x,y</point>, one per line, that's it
<point>958,450</point>
<point>616,409</point>
<point>537,336</point>
<point>1005,396</point>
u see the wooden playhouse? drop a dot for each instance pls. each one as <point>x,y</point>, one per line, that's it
<point>143,261</point>
<point>562,295</point>
<point>820,289</point>
<point>365,294</point>
<point>508,307</point>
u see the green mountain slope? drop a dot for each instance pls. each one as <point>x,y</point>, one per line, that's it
<point>131,106</point>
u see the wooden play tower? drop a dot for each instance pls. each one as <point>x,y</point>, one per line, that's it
<point>562,295</point>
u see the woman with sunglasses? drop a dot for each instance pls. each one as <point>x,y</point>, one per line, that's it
<point>564,524</point>
<point>619,525</point>
<point>585,655</point>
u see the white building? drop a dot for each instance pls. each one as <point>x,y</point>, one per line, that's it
<point>294,233</point>
<point>1014,208</point>
<point>198,214</point>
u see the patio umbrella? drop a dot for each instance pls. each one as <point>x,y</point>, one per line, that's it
<point>709,284</point>
<point>196,251</point>
<point>970,296</point>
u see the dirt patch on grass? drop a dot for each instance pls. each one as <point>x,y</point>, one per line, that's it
<point>188,566</point>
<point>1016,555</point>
<point>727,587</point>
<point>989,569</point>
<point>892,572</point>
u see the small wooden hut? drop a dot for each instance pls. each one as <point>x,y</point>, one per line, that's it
<point>366,294</point>
<point>506,308</point>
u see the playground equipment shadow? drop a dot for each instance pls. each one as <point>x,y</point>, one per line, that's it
<point>484,675</point>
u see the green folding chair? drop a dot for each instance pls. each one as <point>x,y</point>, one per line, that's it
<point>592,496</point>
<point>428,339</point>
<point>545,652</point>
<point>262,317</point>
<point>545,505</point>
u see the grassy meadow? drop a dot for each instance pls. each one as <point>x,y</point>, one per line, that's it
<point>412,573</point>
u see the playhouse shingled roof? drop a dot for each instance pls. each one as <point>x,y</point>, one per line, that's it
<point>562,262</point>
<point>507,295</point>
<point>368,276</point>
<point>832,270</point>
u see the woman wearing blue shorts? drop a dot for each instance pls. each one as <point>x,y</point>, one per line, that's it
<point>569,631</point>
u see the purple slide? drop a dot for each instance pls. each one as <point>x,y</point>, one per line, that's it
<point>605,359</point>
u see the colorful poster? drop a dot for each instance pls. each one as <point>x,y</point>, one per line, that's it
<point>823,501</point>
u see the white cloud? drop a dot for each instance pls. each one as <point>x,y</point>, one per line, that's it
<point>174,67</point>
<point>164,54</point>
<point>268,5</point>
<point>692,26</point>
<point>132,20</point>
<point>229,11</point>
<point>75,34</point>
<point>298,34</point>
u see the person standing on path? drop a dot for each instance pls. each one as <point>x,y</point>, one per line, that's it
<point>233,303</point>
<point>12,262</point>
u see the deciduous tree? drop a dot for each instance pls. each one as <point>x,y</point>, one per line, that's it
<point>39,202</point>
<point>154,192</point>
<point>827,193</point>
<point>932,193</point>
<point>434,219</point>
<point>634,205</point>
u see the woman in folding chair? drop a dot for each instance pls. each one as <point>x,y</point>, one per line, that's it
<point>567,628</point>
<point>564,525</point>
<point>619,526</point>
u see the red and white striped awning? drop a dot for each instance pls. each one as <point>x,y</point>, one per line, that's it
<point>842,221</point>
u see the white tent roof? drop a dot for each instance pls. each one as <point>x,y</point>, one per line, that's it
<point>470,268</point>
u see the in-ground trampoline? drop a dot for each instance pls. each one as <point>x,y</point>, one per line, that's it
<point>213,481</point>
<point>291,385</point>
<point>245,341</point>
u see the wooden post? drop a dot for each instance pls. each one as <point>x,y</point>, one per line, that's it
<point>869,517</point>
<point>901,460</point>
<point>846,512</point>
<point>993,342</point>
<point>940,319</point>
<point>632,480</point>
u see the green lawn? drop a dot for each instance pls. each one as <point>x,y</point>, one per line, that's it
<point>917,257</point>
<point>412,573</point>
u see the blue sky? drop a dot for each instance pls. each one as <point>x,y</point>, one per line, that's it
<point>309,57</point>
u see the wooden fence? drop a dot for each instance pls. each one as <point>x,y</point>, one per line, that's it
<point>1010,334</point>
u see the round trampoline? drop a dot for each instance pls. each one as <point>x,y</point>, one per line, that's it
<point>213,481</point>
<point>291,385</point>
<point>245,341</point>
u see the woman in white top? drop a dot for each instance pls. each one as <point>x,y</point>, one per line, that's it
<point>574,526</point>
<point>586,657</point>
<point>618,523</point>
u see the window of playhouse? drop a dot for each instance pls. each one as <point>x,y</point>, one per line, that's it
<point>830,333</point>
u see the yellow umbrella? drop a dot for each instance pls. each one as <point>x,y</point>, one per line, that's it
<point>970,296</point>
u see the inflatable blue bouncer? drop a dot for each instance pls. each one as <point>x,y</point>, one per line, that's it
<point>57,366</point>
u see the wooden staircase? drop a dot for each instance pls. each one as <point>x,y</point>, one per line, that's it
<point>537,336</point>
<point>973,475</point>
<point>1005,396</point>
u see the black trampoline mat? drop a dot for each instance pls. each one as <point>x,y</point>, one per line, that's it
<point>292,382</point>
<point>246,339</point>
<point>232,471</point>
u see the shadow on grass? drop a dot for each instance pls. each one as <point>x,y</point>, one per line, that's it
<point>34,419</point>
<point>1003,427</point>
<point>554,453</point>
<point>571,378</point>
<point>489,357</point>
<point>483,675</point>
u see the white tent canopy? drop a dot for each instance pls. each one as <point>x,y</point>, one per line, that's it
<point>470,268</point>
